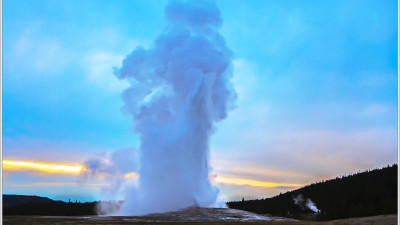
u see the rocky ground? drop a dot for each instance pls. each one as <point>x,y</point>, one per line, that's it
<point>198,216</point>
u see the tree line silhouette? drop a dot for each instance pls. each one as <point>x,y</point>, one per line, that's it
<point>369,193</point>
<point>51,208</point>
<point>36,205</point>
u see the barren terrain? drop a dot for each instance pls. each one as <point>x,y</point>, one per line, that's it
<point>198,216</point>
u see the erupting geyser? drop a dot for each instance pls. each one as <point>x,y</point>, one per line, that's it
<point>178,90</point>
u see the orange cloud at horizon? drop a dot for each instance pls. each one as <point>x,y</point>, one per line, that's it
<point>55,168</point>
<point>254,183</point>
<point>55,184</point>
<point>43,167</point>
<point>131,176</point>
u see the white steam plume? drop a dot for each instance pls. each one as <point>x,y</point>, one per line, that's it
<point>117,172</point>
<point>308,204</point>
<point>178,90</point>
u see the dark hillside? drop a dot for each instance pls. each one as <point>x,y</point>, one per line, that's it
<point>34,205</point>
<point>367,193</point>
<point>12,200</point>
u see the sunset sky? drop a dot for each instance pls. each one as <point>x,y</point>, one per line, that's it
<point>316,84</point>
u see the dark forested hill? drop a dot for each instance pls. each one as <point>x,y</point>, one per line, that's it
<point>363,194</point>
<point>12,200</point>
<point>35,205</point>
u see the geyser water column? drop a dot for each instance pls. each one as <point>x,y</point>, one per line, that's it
<point>179,89</point>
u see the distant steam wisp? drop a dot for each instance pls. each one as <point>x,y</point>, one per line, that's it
<point>305,204</point>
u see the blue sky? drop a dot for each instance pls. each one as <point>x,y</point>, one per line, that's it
<point>316,83</point>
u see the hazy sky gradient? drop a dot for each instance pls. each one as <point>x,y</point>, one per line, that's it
<point>316,83</point>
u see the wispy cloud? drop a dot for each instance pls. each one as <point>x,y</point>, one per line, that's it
<point>305,156</point>
<point>99,66</point>
<point>374,110</point>
<point>247,169</point>
<point>43,167</point>
<point>230,179</point>
<point>37,53</point>
<point>250,182</point>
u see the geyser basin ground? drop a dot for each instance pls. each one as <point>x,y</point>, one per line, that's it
<point>199,216</point>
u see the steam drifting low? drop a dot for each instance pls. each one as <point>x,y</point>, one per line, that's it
<point>178,90</point>
<point>308,204</point>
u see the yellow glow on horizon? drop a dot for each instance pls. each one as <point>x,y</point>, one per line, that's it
<point>55,168</point>
<point>250,182</point>
<point>55,184</point>
<point>44,167</point>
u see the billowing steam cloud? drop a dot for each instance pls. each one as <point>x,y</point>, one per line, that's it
<point>178,90</point>
<point>117,171</point>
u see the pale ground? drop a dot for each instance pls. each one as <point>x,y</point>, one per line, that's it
<point>198,216</point>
